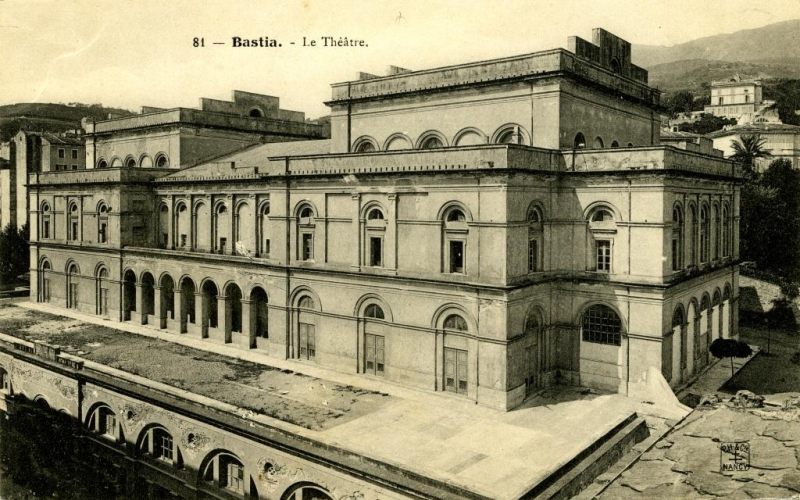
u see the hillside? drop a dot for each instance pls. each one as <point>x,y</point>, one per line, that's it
<point>49,117</point>
<point>771,42</point>
<point>697,74</point>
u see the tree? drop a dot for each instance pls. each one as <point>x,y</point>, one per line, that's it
<point>747,149</point>
<point>729,348</point>
<point>680,102</point>
<point>14,252</point>
<point>706,124</point>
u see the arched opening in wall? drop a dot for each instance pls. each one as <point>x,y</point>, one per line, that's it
<point>259,315</point>
<point>397,143</point>
<point>601,325</point>
<point>306,230</point>
<point>470,137</point>
<point>715,220</point>
<point>306,491</point>
<point>307,328</point>
<point>511,134</point>
<point>245,230</point>
<point>701,333</point>
<point>726,313</point>
<point>726,232</point>
<point>221,229</point>
<point>128,294</point>
<point>614,144</point>
<point>167,292</point>
<point>264,240</point>
<point>41,403</point>
<point>5,381</point>
<point>102,420</point>
<point>223,470</point>
<point>535,238</point>
<point>602,231</point>
<point>130,162</point>
<point>630,144</point>
<point>102,163</point>
<point>162,161</point>
<point>148,295</point>
<point>46,220</point>
<point>455,235</point>
<point>102,223</point>
<point>677,239</point>
<point>375,330</point>
<point>691,226</point>
<point>715,317</point>
<point>145,161</point>
<point>182,226</point>
<point>365,145</point>
<point>44,287</point>
<point>679,328</point>
<point>102,293</point>
<point>615,68</point>
<point>598,143</point>
<point>536,358</point>
<point>456,360</point>
<point>579,142</point>
<point>431,142</point>
<point>705,234</point>
<point>373,237</point>
<point>233,309</point>
<point>201,238</point>
<point>163,225</point>
<point>158,444</point>
<point>187,304</point>
<point>73,276</point>
<point>116,162</point>
<point>74,224</point>
<point>210,306</point>
<point>256,113</point>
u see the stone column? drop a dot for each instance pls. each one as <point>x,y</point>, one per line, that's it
<point>201,313</point>
<point>248,324</point>
<point>177,306</point>
<point>160,317</point>
<point>224,316</point>
<point>140,317</point>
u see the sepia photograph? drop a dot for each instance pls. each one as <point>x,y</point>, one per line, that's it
<point>399,250</point>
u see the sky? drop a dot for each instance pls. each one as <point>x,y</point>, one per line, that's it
<point>130,53</point>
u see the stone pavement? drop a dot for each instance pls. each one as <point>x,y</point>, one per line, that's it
<point>493,453</point>
<point>695,460</point>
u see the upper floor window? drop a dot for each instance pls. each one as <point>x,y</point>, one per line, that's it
<point>102,164</point>
<point>692,228</point>
<point>717,230</point>
<point>162,160</point>
<point>602,229</point>
<point>46,221</point>
<point>579,142</point>
<point>74,223</point>
<point>456,232</point>
<point>373,311</point>
<point>365,147</point>
<point>130,162</point>
<point>374,228</point>
<point>61,153</point>
<point>74,154</point>
<point>677,239</point>
<point>263,231</point>
<point>534,219</point>
<point>305,233</point>
<point>601,325</point>
<point>432,143</point>
<point>306,302</point>
<point>375,214</point>
<point>102,223</point>
<point>456,323</point>
<point>726,233</point>
<point>705,234</point>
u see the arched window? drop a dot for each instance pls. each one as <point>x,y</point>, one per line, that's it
<point>705,234</point>
<point>73,230</point>
<point>183,227</point>
<point>305,233</point>
<point>305,302</point>
<point>373,238</point>
<point>375,214</point>
<point>145,161</point>
<point>432,142</point>
<point>73,275</point>
<point>615,65</point>
<point>700,336</point>
<point>373,311</point>
<point>45,291</point>
<point>365,147</point>
<point>456,323</point>
<point>102,292</point>
<point>598,143</point>
<point>162,161</point>
<point>601,325</point>
<point>163,226</point>
<point>104,421</point>
<point>263,231</point>
<point>130,162</point>
<point>693,239</point>
<point>717,230</point>
<point>579,142</point>
<point>602,229</point>
<point>158,443</point>
<point>102,163</point>
<point>630,144</point>
<point>397,142</point>
<point>307,333</point>
<point>456,232</point>
<point>46,222</point>
<point>678,322</point>
<point>256,113</point>
<point>221,229</point>
<point>614,144</point>
<point>102,223</point>
<point>726,232</point>
<point>306,491</point>
<point>535,356</point>
<point>226,471</point>
<point>511,134</point>
<point>534,219</point>
<point>244,230</point>
<point>677,239</point>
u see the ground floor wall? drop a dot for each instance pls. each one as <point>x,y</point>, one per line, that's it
<point>495,347</point>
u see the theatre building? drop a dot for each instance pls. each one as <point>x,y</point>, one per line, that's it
<point>486,230</point>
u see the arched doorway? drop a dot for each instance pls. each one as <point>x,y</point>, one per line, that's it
<point>702,334</point>
<point>535,353</point>
<point>102,292</point>
<point>148,298</point>
<point>375,330</point>
<point>259,315</point>
<point>167,309</point>
<point>306,491</point>
<point>44,287</point>
<point>209,307</point>
<point>679,332</point>
<point>233,311</point>
<point>128,294</point>
<point>73,275</point>
<point>187,304</point>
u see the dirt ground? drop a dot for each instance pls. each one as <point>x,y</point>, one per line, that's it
<point>283,394</point>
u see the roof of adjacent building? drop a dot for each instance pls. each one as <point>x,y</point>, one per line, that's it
<point>670,134</point>
<point>57,139</point>
<point>757,128</point>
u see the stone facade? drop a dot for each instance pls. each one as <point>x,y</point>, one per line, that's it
<point>456,235</point>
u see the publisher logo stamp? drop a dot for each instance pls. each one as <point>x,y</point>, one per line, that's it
<point>734,456</point>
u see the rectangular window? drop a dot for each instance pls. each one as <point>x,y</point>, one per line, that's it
<point>376,252</point>
<point>183,241</point>
<point>74,167</point>
<point>46,290</point>
<point>308,341</point>
<point>308,247</point>
<point>46,229</point>
<point>603,262</point>
<point>74,231</point>
<point>60,153</point>
<point>533,255</point>
<point>73,295</point>
<point>223,243</point>
<point>103,302</point>
<point>74,154</point>
<point>165,447</point>
<point>110,425</point>
<point>456,256</point>
<point>235,477</point>
<point>101,237</point>
<point>455,371</point>
<point>374,354</point>
<point>266,247</point>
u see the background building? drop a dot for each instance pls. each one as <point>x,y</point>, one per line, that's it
<point>486,229</point>
<point>740,99</point>
<point>781,140</point>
